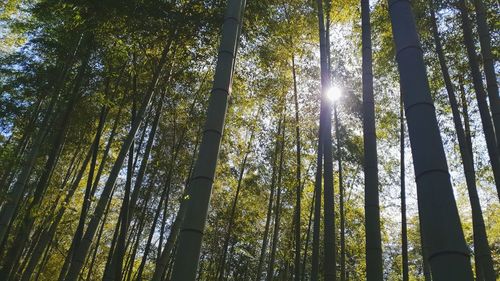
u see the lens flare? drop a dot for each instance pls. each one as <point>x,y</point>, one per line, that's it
<point>334,93</point>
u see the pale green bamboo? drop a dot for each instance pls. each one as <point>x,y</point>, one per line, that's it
<point>191,234</point>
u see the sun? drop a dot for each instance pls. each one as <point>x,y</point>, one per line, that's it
<point>334,93</point>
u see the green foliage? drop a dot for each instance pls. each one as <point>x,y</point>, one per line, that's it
<point>44,44</point>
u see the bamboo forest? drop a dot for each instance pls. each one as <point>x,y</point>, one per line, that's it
<point>249,140</point>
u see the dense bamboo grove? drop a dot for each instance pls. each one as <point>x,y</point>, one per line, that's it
<point>249,140</point>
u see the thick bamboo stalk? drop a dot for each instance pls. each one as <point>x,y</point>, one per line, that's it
<point>448,255</point>
<point>198,199</point>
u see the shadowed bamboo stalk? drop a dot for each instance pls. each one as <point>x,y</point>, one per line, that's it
<point>229,230</point>
<point>482,104</point>
<point>278,206</point>
<point>326,136</point>
<point>298,192</point>
<point>448,255</point>
<point>317,212</point>
<point>372,210</point>
<point>78,259</point>
<point>489,66</point>
<point>341,196</point>
<point>404,229</point>
<point>265,238</point>
<point>481,248</point>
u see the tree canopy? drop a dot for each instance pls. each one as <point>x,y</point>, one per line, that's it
<point>249,140</point>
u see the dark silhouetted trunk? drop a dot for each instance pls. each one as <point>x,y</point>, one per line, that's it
<point>404,229</point>
<point>481,247</point>
<point>482,104</point>
<point>265,238</point>
<point>298,191</point>
<point>59,138</point>
<point>308,238</point>
<point>98,240</point>
<point>175,228</point>
<point>48,235</point>
<point>229,230</point>
<point>326,136</point>
<point>17,191</point>
<point>488,65</point>
<point>317,212</point>
<point>86,198</point>
<point>113,270</point>
<point>441,228</point>
<point>341,196</point>
<point>374,270</point>
<point>277,207</point>
<point>81,252</point>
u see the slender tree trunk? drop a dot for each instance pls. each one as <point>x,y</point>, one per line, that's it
<point>9,168</point>
<point>232,214</point>
<point>465,115</point>
<point>16,193</point>
<point>317,211</point>
<point>308,236</point>
<point>14,196</point>
<point>44,259</point>
<point>277,208</point>
<point>374,269</point>
<point>128,206</point>
<point>163,261</point>
<point>88,191</point>
<point>269,206</point>
<point>139,235</point>
<point>141,173</point>
<point>168,275</point>
<point>114,271</point>
<point>489,132</point>
<point>163,225</point>
<point>175,228</point>
<point>98,240</point>
<point>191,235</point>
<point>164,257</point>
<point>82,250</point>
<point>489,65</point>
<point>441,226</point>
<point>145,254</point>
<point>112,247</point>
<point>59,138</point>
<point>17,252</point>
<point>481,246</point>
<point>145,158</point>
<point>164,200</point>
<point>482,253</point>
<point>341,191</point>
<point>468,139</point>
<point>105,154</point>
<point>119,253</point>
<point>298,176</point>
<point>404,231</point>
<point>326,135</point>
<point>47,236</point>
